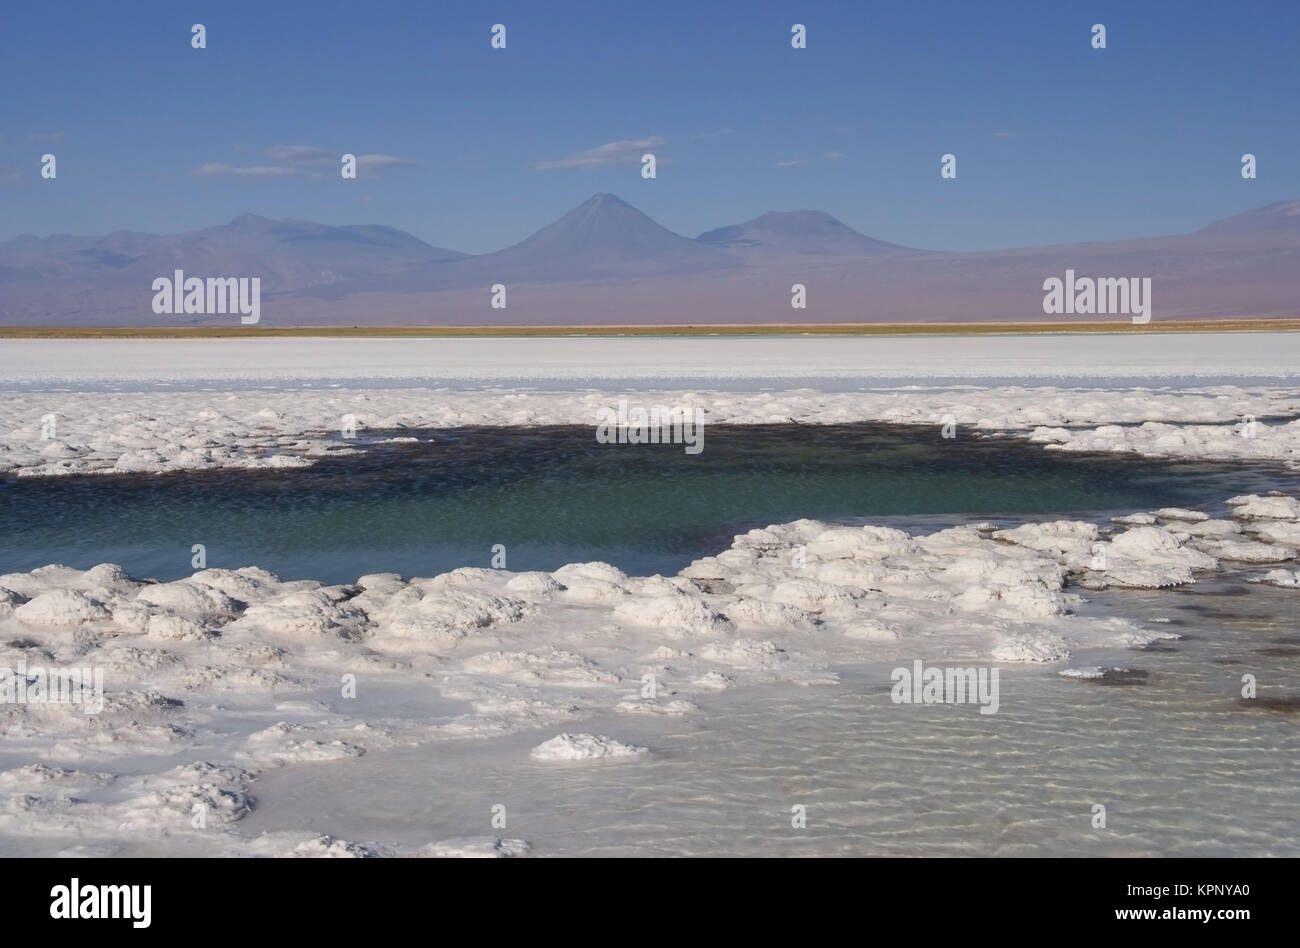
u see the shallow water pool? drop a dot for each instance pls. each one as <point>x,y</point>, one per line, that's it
<point>553,495</point>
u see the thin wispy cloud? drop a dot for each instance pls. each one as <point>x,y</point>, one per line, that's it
<point>795,163</point>
<point>218,169</point>
<point>611,154</point>
<point>378,162</point>
<point>300,154</point>
<point>300,161</point>
<point>835,155</point>
<point>714,134</point>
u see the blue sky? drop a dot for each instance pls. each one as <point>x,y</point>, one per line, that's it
<point>1055,141</point>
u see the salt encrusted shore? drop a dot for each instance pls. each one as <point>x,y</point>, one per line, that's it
<point>220,677</point>
<point>195,669</point>
<point>62,433</point>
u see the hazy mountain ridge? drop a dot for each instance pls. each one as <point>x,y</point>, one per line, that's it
<point>796,233</point>
<point>1244,265</point>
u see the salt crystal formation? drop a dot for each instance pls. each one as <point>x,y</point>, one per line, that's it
<point>210,659</point>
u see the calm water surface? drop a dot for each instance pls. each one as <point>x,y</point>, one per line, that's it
<point>554,495</point>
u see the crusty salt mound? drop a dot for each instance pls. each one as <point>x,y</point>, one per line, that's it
<point>476,847</point>
<point>1263,442</point>
<point>1286,578</point>
<point>584,747</point>
<point>1114,674</point>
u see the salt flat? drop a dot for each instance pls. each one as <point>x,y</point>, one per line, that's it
<point>1243,355</point>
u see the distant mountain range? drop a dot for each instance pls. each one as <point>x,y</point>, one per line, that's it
<point>792,233</point>
<point>605,262</point>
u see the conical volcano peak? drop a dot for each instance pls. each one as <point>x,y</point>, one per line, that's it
<point>604,200</point>
<point>604,235</point>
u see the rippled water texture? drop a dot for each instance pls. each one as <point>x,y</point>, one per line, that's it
<point>1182,765</point>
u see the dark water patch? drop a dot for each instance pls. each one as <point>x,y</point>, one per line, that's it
<point>1287,704</point>
<point>1122,681</point>
<point>553,495</point>
<point>1238,591</point>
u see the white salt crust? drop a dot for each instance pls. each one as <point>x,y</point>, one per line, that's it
<point>219,677</point>
<point>153,432</point>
